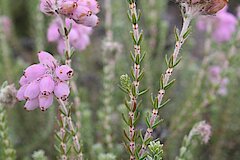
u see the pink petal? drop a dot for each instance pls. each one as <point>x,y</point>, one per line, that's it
<point>73,35</point>
<point>20,93</point>
<point>34,72</point>
<point>61,47</point>
<point>23,80</point>
<point>52,33</point>
<point>45,101</point>
<point>31,104</point>
<point>47,59</point>
<point>82,42</point>
<point>62,91</point>
<point>32,91</point>
<point>47,85</point>
<point>64,72</point>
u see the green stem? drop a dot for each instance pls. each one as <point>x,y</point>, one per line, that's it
<point>8,151</point>
<point>165,79</point>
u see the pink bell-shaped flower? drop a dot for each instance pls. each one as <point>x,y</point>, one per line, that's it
<point>34,71</point>
<point>45,101</point>
<point>32,91</point>
<point>31,104</point>
<point>47,85</point>
<point>62,91</point>
<point>64,72</point>
<point>20,93</point>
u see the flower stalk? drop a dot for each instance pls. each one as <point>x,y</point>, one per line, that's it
<point>67,127</point>
<point>157,102</point>
<point>66,112</point>
<point>131,87</point>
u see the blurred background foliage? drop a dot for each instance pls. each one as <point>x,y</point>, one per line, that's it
<point>31,131</point>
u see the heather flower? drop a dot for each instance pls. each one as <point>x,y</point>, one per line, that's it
<point>217,80</point>
<point>215,74</point>
<point>224,24</point>
<point>79,35</point>
<point>81,11</point>
<point>40,82</point>
<point>203,129</point>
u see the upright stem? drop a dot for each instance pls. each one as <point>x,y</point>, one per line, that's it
<point>136,73</point>
<point>74,133</point>
<point>67,119</point>
<point>166,78</point>
<point>65,32</point>
<point>197,85</point>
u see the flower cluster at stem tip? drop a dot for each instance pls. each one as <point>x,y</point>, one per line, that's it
<point>79,35</point>
<point>40,82</point>
<point>81,11</point>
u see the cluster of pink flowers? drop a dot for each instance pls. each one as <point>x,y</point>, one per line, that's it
<point>216,78</point>
<point>79,35</point>
<point>40,82</point>
<point>204,130</point>
<point>224,24</point>
<point>81,11</point>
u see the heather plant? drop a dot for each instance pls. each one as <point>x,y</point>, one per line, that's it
<point>179,80</point>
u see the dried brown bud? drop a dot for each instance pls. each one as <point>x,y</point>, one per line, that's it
<point>205,7</point>
<point>8,95</point>
<point>214,6</point>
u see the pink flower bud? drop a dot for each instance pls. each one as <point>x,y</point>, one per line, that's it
<point>79,13</point>
<point>45,101</point>
<point>32,91</point>
<point>34,71</point>
<point>47,59</point>
<point>31,104</point>
<point>20,93</point>
<point>89,21</point>
<point>62,91</point>
<point>64,72</point>
<point>47,85</point>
